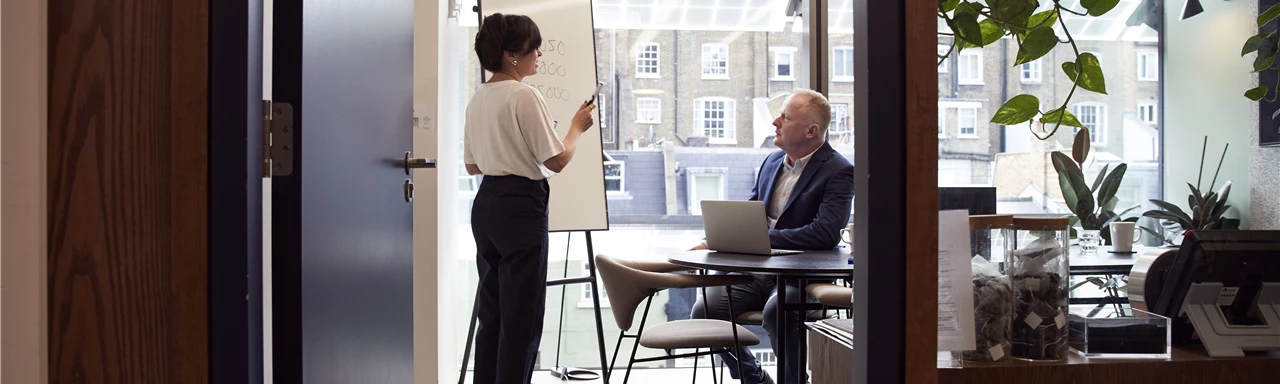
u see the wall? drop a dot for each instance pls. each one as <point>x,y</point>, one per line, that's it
<point>22,166</point>
<point>1264,172</point>
<point>1205,78</point>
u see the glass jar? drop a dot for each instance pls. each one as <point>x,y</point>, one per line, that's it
<point>992,293</point>
<point>1038,273</point>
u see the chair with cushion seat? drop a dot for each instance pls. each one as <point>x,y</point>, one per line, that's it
<point>831,295</point>
<point>631,282</point>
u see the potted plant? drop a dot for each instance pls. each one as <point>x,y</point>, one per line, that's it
<point>1206,209</point>
<point>1093,205</point>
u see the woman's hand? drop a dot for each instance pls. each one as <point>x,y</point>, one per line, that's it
<point>583,120</point>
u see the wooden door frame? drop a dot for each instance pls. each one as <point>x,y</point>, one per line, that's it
<point>895,278</point>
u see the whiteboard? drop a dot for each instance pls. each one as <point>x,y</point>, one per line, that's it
<point>566,77</point>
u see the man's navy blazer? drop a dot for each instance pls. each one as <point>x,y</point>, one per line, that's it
<point>820,202</point>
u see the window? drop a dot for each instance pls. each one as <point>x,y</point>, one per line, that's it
<point>783,61</point>
<point>714,116</point>
<point>970,67</point>
<point>586,300</point>
<point>942,123</point>
<point>615,176</point>
<point>839,118</point>
<point>715,61</point>
<point>705,183</point>
<point>968,122</point>
<point>647,60</point>
<point>1148,66</point>
<point>1031,72</point>
<point>648,110</point>
<point>1147,112</point>
<point>1094,117</point>
<point>842,64</point>
<point>942,65</point>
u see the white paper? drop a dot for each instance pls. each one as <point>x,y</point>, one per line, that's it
<point>1034,320</point>
<point>955,283</point>
<point>1060,320</point>
<point>997,352</point>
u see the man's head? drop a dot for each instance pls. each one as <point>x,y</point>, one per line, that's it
<point>802,126</point>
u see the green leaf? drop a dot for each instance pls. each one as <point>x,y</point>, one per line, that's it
<point>948,5</point>
<point>1255,42</point>
<point>966,28</point>
<point>1068,193</point>
<point>1098,7</point>
<point>1268,15</point>
<point>1038,43</point>
<point>1171,209</point>
<point>1110,205</point>
<point>1091,74</point>
<point>1112,183</point>
<point>1067,118</point>
<point>1263,62</point>
<point>1042,19</point>
<point>1166,215</point>
<point>1256,93</point>
<point>1098,181</point>
<point>1127,210</point>
<point>1064,166</point>
<point>1080,149</point>
<point>1196,195</point>
<point>1018,110</point>
<point>991,32</point>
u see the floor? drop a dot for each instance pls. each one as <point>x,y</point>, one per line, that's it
<point>646,376</point>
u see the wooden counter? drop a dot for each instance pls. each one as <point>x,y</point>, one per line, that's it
<point>1188,365</point>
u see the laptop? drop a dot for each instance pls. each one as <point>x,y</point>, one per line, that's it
<point>738,227</point>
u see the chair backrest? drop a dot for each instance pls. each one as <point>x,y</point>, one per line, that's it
<point>625,288</point>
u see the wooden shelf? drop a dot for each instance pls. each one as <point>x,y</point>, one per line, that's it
<point>1188,365</point>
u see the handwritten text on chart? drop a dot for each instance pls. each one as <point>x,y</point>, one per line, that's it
<point>553,46</point>
<point>552,91</point>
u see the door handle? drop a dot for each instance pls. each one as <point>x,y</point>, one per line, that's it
<point>411,162</point>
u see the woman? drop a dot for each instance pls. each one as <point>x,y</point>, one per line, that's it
<point>510,138</point>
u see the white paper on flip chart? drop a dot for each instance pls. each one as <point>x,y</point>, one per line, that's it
<point>955,283</point>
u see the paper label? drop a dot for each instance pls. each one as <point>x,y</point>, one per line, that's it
<point>1034,320</point>
<point>1061,320</point>
<point>1227,296</point>
<point>996,352</point>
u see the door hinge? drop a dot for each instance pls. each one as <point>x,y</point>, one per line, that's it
<point>277,139</point>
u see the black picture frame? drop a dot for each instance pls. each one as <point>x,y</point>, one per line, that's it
<point>1268,127</point>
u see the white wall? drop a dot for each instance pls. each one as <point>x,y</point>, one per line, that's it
<point>1204,83</point>
<point>23,26</point>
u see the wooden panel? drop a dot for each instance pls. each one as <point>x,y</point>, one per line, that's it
<point>127,191</point>
<point>1189,365</point>
<point>922,191</point>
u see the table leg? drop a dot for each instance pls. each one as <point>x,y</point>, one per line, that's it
<point>781,331</point>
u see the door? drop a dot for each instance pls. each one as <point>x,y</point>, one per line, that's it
<point>342,230</point>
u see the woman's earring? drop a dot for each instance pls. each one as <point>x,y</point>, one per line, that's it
<point>513,62</point>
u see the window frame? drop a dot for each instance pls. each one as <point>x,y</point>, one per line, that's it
<point>622,177</point>
<point>944,66</point>
<point>777,62</point>
<point>837,120</point>
<point>1155,112</point>
<point>641,51</point>
<point>942,122</point>
<point>1148,59</point>
<point>729,119</point>
<point>960,122</point>
<point>836,76</point>
<point>708,58</point>
<point>1097,137</point>
<point>691,186</point>
<point>657,111</point>
<point>970,54</point>
<point>1032,68</point>
<point>584,295</point>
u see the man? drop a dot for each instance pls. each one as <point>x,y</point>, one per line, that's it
<point>807,188</point>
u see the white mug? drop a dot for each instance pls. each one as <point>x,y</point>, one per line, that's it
<point>1123,235</point>
<point>846,234</point>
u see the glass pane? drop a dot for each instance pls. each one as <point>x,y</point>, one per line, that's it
<point>1011,159</point>
<point>708,187</point>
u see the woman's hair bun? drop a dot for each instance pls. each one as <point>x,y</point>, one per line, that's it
<point>500,33</point>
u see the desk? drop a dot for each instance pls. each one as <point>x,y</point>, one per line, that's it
<point>815,264</point>
<point>1189,364</point>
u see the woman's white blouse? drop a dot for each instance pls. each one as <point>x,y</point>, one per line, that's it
<point>509,131</point>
